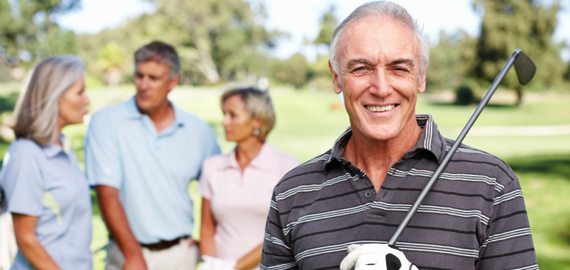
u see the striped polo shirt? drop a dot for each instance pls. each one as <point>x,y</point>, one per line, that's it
<point>473,218</point>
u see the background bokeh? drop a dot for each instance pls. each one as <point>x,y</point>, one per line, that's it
<point>282,46</point>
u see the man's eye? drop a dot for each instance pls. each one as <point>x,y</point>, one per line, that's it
<point>363,70</point>
<point>401,69</point>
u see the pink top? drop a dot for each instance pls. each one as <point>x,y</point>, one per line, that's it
<point>240,202</point>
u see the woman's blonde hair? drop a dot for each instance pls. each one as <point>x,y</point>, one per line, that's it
<point>37,108</point>
<point>257,104</point>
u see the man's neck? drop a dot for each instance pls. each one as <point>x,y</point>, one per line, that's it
<point>375,158</point>
<point>162,117</point>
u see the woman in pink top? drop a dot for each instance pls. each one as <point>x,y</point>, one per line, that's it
<point>236,187</point>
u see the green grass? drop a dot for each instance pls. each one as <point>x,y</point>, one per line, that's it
<point>545,180</point>
<point>307,125</point>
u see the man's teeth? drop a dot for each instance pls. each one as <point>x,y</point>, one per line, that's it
<point>380,108</point>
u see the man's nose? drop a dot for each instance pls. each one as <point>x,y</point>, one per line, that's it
<point>143,83</point>
<point>380,85</point>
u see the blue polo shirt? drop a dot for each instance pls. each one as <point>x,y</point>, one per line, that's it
<point>152,170</point>
<point>48,183</point>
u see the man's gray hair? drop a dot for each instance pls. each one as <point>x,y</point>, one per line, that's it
<point>159,52</point>
<point>382,9</point>
<point>37,108</point>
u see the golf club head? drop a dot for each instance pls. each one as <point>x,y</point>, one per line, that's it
<point>524,67</point>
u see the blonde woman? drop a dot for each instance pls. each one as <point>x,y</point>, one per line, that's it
<point>236,187</point>
<point>46,191</point>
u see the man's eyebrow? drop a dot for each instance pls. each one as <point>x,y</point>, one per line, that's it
<point>350,64</point>
<point>405,61</point>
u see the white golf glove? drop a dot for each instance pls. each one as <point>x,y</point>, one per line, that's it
<point>375,257</point>
<point>213,263</point>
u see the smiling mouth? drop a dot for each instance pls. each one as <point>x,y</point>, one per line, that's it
<point>380,108</point>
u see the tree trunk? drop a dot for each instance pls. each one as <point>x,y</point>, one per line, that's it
<point>207,65</point>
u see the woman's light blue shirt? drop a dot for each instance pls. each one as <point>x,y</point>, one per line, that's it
<point>48,183</point>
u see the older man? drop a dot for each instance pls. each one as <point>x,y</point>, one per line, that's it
<point>359,191</point>
<point>141,155</point>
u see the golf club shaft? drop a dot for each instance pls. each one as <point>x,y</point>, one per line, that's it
<point>449,154</point>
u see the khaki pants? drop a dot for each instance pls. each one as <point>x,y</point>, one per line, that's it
<point>183,256</point>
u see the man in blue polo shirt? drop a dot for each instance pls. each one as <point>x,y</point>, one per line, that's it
<point>141,155</point>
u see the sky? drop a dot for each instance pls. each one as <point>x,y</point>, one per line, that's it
<point>301,18</point>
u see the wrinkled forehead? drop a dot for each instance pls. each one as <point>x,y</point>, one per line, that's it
<point>373,33</point>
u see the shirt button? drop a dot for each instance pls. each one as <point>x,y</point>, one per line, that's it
<point>367,194</point>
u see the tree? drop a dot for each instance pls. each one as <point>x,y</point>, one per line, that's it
<point>450,60</point>
<point>292,71</point>
<point>221,39</point>
<point>318,71</point>
<point>111,60</point>
<point>518,24</point>
<point>328,24</point>
<point>28,31</point>
<point>217,40</point>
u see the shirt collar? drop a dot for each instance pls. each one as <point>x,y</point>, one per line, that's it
<point>132,112</point>
<point>263,160</point>
<point>430,141</point>
<point>53,149</point>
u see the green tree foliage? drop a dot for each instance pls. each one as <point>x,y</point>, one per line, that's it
<point>518,24</point>
<point>567,73</point>
<point>293,71</point>
<point>451,60</point>
<point>327,24</point>
<point>28,32</point>
<point>111,61</point>
<point>217,40</point>
<point>319,77</point>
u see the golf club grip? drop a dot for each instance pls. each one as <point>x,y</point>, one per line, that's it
<point>454,147</point>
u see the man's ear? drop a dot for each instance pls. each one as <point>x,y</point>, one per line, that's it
<point>335,79</point>
<point>422,82</point>
<point>174,81</point>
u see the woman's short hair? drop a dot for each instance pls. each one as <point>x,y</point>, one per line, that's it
<point>382,9</point>
<point>159,52</point>
<point>258,104</point>
<point>37,108</point>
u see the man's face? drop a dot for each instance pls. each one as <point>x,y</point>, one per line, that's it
<point>153,85</point>
<point>379,76</point>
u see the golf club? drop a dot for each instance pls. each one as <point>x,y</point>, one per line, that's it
<point>525,69</point>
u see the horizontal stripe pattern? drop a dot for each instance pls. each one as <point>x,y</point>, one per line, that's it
<point>473,218</point>
<point>309,188</point>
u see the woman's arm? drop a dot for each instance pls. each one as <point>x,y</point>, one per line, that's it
<point>251,259</point>
<point>28,243</point>
<point>208,229</point>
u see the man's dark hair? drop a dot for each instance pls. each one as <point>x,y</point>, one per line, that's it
<point>160,52</point>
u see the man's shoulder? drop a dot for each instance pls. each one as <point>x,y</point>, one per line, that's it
<point>481,160</point>
<point>191,119</point>
<point>310,172</point>
<point>112,111</point>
